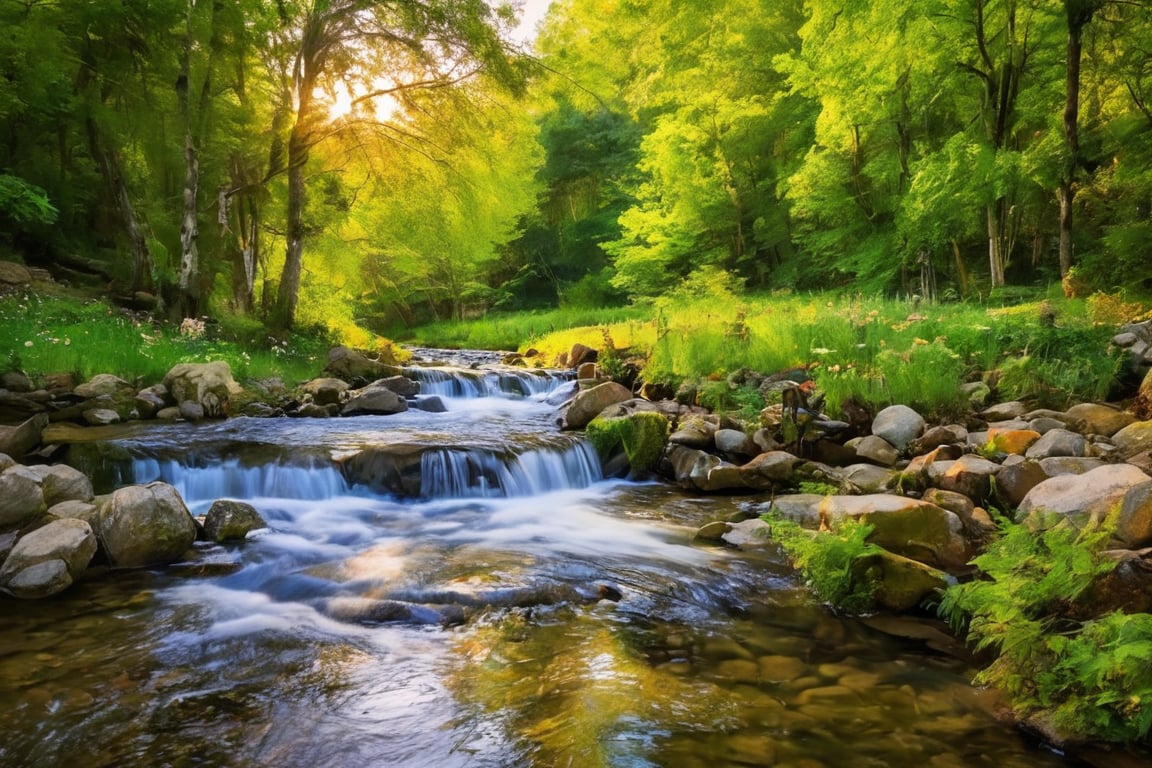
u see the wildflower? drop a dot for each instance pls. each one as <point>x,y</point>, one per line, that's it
<point>919,341</point>
<point>28,343</point>
<point>821,350</point>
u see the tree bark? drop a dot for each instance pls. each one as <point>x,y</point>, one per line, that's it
<point>189,233</point>
<point>1079,14</point>
<point>113,172</point>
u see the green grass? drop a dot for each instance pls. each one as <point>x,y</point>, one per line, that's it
<point>42,335</point>
<point>518,330</point>
<point>873,350</point>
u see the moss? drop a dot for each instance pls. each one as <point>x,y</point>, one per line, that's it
<point>641,435</point>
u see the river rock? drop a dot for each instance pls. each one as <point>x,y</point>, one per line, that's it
<point>1045,424</point>
<point>99,417</point>
<point>1091,495</point>
<point>712,531</point>
<point>401,385</point>
<point>227,520</point>
<point>1069,465</point>
<point>694,432</point>
<point>900,583</point>
<point>150,400</point>
<point>15,381</point>
<point>801,508</point>
<point>869,478</point>
<point>81,510</point>
<point>735,444</point>
<point>1058,442</point>
<point>374,399</point>
<point>171,413</point>
<point>899,425</point>
<point>357,368</point>
<point>190,411</point>
<point>393,468</point>
<point>20,440</point>
<point>970,475</point>
<point>907,527</point>
<point>209,384</point>
<point>317,411</point>
<point>1014,481</point>
<point>1095,419</point>
<point>21,496</point>
<point>61,482</point>
<point>1133,439</point>
<point>1134,521</point>
<point>1009,411</point>
<point>325,390</point>
<point>141,525</point>
<point>580,354</point>
<point>1012,441</point>
<point>748,534</point>
<point>48,559</point>
<point>769,470</point>
<point>588,403</point>
<point>877,450</point>
<point>103,384</point>
<point>703,471</point>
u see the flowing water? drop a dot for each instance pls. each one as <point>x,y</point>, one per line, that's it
<point>501,606</point>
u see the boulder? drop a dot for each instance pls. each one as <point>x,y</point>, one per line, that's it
<point>898,583</point>
<point>877,450</point>
<point>1133,439</point>
<point>580,354</point>
<point>908,527</point>
<point>1095,419</point>
<point>61,482</point>
<point>354,367</point>
<point>401,385</point>
<point>20,440</point>
<point>970,475</point>
<point>379,400</point>
<point>208,384</point>
<point>228,520</point>
<point>189,411</point>
<point>1078,498</point>
<point>21,496</point>
<point>769,470</point>
<point>430,404</point>
<point>49,559</point>
<point>735,443</point>
<point>15,381</point>
<point>586,371</point>
<point>140,525</point>
<point>392,468</point>
<point>694,432</point>
<point>103,384</point>
<point>899,425</point>
<point>1014,481</point>
<point>325,390</point>
<point>1058,442</point>
<point>869,478</point>
<point>12,273</point>
<point>81,510</point>
<point>702,471</point>
<point>1134,521</point>
<point>588,403</point>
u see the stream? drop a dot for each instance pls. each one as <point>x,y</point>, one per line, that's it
<point>511,608</point>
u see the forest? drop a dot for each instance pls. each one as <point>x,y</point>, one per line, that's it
<point>374,165</point>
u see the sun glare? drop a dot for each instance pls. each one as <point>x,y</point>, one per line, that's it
<point>344,102</point>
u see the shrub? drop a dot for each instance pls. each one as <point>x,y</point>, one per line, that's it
<point>1089,679</point>
<point>826,559</point>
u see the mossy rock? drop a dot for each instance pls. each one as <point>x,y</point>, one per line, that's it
<point>642,436</point>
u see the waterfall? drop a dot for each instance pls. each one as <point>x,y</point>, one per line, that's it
<point>474,383</point>
<point>228,478</point>
<point>449,473</point>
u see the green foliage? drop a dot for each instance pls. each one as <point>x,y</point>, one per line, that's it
<point>821,489</point>
<point>724,397</point>
<point>1090,679</point>
<point>24,203</point>
<point>826,559</point>
<point>642,436</point>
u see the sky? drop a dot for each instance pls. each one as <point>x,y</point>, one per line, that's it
<point>533,11</point>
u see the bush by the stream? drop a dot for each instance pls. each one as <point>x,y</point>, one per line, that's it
<point>826,559</point>
<point>1088,679</point>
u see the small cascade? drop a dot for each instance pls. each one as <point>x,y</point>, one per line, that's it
<point>448,473</point>
<point>475,383</point>
<point>228,478</point>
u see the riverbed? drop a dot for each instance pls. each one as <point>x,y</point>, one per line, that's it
<point>520,610</point>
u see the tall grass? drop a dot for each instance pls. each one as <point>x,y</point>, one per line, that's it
<point>518,330</point>
<point>41,335</point>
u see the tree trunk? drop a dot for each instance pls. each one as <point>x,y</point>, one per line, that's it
<point>995,245</point>
<point>289,289</point>
<point>1079,14</point>
<point>112,171</point>
<point>189,232</point>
